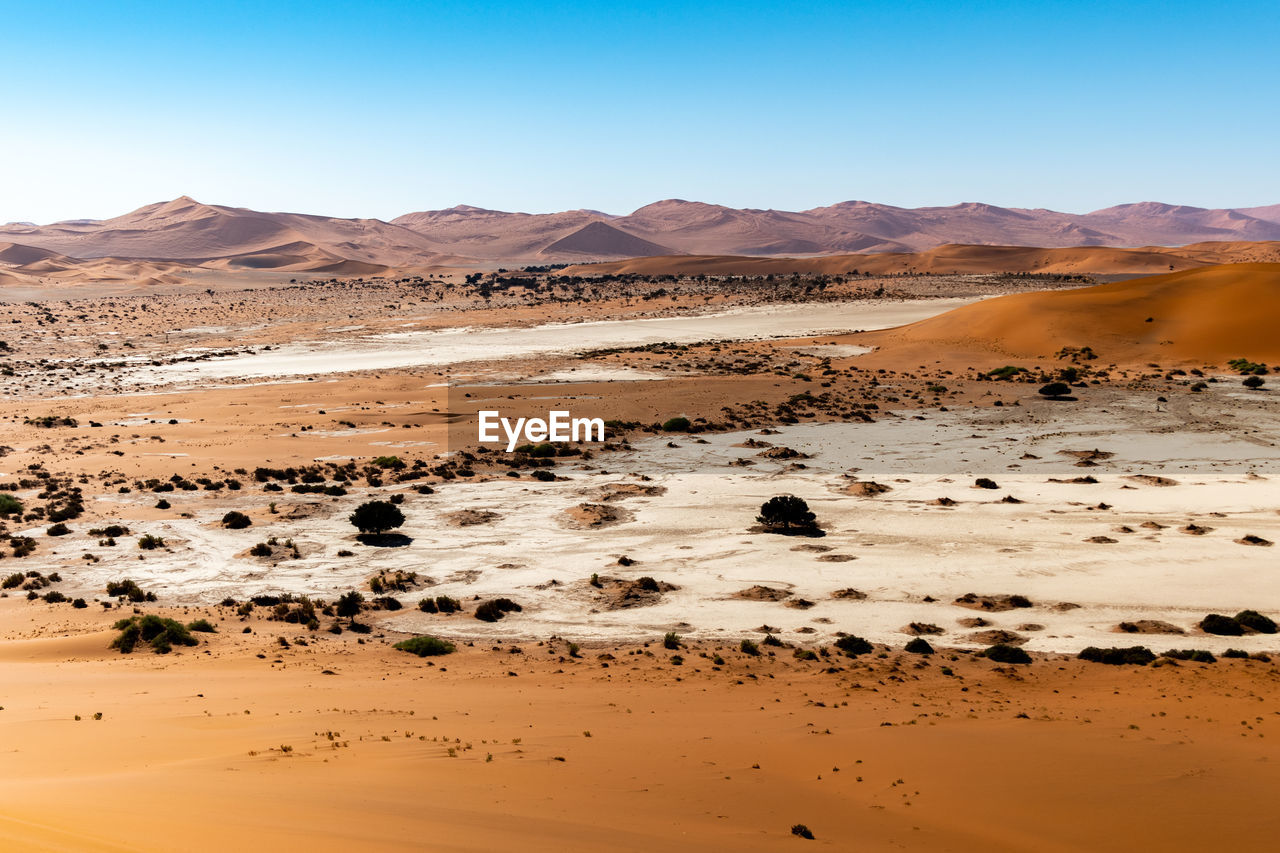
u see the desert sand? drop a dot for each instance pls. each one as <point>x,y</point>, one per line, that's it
<point>618,707</point>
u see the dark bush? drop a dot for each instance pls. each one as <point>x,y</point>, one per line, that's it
<point>1223,626</point>
<point>985,483</point>
<point>786,512</point>
<point>1116,656</point>
<point>853,646</point>
<point>1001,653</point>
<point>1197,655</point>
<point>236,520</point>
<point>203,626</point>
<point>376,517</point>
<point>749,648</point>
<point>803,831</point>
<point>427,605</point>
<point>1055,389</point>
<point>1255,621</point>
<point>58,529</point>
<point>919,646</point>
<point>492,611</point>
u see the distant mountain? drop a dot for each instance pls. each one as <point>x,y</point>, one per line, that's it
<point>187,232</point>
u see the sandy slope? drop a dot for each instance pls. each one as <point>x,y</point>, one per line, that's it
<point>537,751</point>
<point>1205,315</point>
<point>956,259</point>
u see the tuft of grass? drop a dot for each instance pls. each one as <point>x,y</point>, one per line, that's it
<point>426,646</point>
<point>160,633</point>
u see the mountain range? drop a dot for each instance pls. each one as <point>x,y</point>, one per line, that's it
<point>160,238</point>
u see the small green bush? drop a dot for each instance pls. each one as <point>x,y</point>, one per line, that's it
<point>203,626</point>
<point>676,424</point>
<point>425,646</point>
<point>670,640</point>
<point>749,648</point>
<point>160,633</point>
<point>150,543</point>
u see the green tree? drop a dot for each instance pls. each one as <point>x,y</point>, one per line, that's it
<point>376,517</point>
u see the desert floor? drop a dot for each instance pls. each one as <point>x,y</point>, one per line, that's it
<point>568,724</point>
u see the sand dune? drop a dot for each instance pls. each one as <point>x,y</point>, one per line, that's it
<point>1203,316</point>
<point>600,239</point>
<point>193,232</point>
<point>957,259</point>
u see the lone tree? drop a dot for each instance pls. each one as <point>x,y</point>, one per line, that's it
<point>1254,382</point>
<point>376,517</point>
<point>1055,390</point>
<point>786,513</point>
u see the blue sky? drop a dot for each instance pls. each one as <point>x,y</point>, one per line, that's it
<point>381,108</point>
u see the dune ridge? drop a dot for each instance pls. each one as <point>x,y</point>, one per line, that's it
<point>1202,316</point>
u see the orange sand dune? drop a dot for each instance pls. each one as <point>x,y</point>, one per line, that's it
<point>957,259</point>
<point>1204,315</point>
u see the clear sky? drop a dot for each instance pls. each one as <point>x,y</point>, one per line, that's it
<point>380,108</point>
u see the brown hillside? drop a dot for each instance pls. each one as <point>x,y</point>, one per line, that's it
<point>956,259</point>
<point>1205,316</point>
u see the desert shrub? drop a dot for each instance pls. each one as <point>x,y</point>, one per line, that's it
<point>1055,389</point>
<point>786,512</point>
<point>1224,626</point>
<point>1254,382</point>
<point>203,626</point>
<point>676,424</point>
<point>543,476</point>
<point>111,531</point>
<point>54,597</point>
<point>160,633</point>
<point>1197,655</point>
<point>1255,621</point>
<point>1002,653</point>
<point>376,517</point>
<point>749,648</point>
<point>386,602</point>
<point>670,640</point>
<point>262,549</point>
<point>1116,656</point>
<point>770,640</point>
<point>445,604</point>
<point>359,627</point>
<point>235,520</point>
<point>425,646</point>
<point>13,580</point>
<point>58,529</point>
<point>985,483</point>
<point>428,605</point>
<point>389,462</point>
<point>349,604</point>
<point>150,543</point>
<point>919,646</point>
<point>492,611</point>
<point>9,505</point>
<point>852,645</point>
<point>803,831</point>
<point>1235,653</point>
<point>79,604</point>
<point>128,589</point>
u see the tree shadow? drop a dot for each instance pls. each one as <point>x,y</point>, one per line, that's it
<point>384,540</point>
